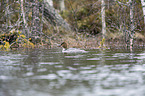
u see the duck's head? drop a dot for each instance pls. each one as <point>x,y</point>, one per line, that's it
<point>63,45</point>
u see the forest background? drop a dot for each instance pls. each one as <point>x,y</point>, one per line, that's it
<point>80,23</point>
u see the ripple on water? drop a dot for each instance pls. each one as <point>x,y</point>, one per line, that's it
<point>3,77</point>
<point>48,63</point>
<point>139,68</point>
<point>49,76</point>
<point>121,55</point>
<point>88,72</point>
<point>71,68</point>
<point>42,70</point>
<point>93,59</point>
<point>76,56</point>
<point>29,74</point>
<point>65,74</point>
<point>140,56</point>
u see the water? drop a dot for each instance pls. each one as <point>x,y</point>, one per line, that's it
<point>52,73</point>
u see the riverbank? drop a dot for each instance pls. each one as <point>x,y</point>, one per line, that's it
<point>115,41</point>
<point>15,39</point>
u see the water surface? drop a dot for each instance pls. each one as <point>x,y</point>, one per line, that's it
<point>49,72</point>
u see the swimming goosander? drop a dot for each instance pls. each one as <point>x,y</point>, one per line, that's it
<point>70,50</point>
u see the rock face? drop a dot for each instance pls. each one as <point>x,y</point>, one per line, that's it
<point>52,16</point>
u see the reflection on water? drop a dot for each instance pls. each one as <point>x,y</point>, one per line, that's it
<point>52,73</point>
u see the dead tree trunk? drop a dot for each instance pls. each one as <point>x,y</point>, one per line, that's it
<point>24,18</point>
<point>35,19</point>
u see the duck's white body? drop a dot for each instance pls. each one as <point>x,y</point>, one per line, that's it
<point>73,50</point>
<point>70,50</point>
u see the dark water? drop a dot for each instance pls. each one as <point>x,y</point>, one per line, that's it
<point>52,73</point>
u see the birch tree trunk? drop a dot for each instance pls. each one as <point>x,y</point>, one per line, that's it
<point>62,5</point>
<point>131,23</point>
<point>7,12</point>
<point>143,8</point>
<point>103,19</point>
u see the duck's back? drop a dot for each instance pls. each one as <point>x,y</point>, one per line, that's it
<point>74,50</point>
